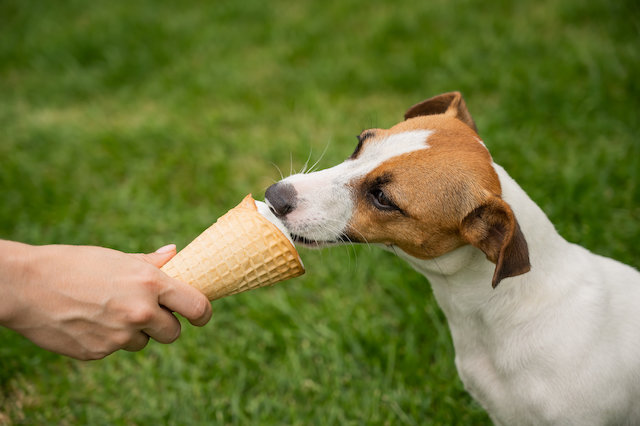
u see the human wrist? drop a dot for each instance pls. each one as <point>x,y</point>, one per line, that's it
<point>16,260</point>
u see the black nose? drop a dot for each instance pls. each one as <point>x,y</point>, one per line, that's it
<point>281,197</point>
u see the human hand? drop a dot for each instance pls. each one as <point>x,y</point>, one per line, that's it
<point>87,302</point>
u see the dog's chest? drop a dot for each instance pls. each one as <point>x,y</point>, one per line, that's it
<point>476,364</point>
<point>506,388</point>
<point>500,365</point>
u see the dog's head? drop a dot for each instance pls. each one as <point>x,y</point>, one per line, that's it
<point>426,185</point>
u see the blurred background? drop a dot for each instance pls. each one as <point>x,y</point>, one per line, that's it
<point>133,124</point>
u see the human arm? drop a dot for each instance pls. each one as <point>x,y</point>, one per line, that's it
<point>87,302</point>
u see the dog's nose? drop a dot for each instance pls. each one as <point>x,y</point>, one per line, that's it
<point>281,197</point>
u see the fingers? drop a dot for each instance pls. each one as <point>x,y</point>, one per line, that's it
<point>176,296</point>
<point>165,327</point>
<point>138,342</point>
<point>150,321</point>
<point>160,256</point>
<point>185,300</point>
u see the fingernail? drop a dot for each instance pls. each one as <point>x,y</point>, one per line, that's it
<point>166,249</point>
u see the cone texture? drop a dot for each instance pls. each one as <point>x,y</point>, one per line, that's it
<point>240,252</point>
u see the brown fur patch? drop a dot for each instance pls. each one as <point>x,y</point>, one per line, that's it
<point>435,189</point>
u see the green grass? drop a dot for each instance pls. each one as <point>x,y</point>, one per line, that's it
<point>136,124</point>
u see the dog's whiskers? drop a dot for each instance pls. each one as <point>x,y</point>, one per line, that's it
<point>290,163</point>
<point>306,163</point>
<point>360,234</point>
<point>278,169</point>
<point>337,230</point>
<point>320,158</point>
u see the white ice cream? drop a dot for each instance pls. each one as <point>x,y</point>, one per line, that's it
<point>265,211</point>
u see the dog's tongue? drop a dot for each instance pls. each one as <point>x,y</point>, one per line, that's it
<point>265,211</point>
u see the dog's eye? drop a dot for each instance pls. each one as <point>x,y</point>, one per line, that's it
<point>380,200</point>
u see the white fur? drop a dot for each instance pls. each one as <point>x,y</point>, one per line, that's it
<point>559,345</point>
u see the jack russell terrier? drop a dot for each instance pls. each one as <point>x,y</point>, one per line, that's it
<point>558,341</point>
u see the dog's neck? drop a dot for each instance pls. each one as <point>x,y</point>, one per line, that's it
<point>461,279</point>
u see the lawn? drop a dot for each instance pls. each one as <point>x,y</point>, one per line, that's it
<point>136,124</point>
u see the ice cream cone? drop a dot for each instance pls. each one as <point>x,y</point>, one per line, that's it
<point>243,250</point>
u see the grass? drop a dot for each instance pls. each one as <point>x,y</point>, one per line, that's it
<point>135,124</point>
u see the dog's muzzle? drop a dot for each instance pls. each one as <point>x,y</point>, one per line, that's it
<point>282,199</point>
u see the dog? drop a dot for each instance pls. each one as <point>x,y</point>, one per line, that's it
<point>545,332</point>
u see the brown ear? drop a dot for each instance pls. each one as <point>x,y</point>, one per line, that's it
<point>493,228</point>
<point>448,103</point>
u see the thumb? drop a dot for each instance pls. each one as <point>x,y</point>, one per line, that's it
<point>160,256</point>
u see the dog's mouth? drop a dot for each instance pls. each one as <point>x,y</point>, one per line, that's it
<point>306,242</point>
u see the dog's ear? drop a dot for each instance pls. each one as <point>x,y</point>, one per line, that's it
<point>493,228</point>
<point>450,103</point>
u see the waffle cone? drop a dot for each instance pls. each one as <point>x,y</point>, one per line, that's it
<point>241,251</point>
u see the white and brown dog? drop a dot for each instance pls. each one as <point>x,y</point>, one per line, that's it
<point>558,342</point>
